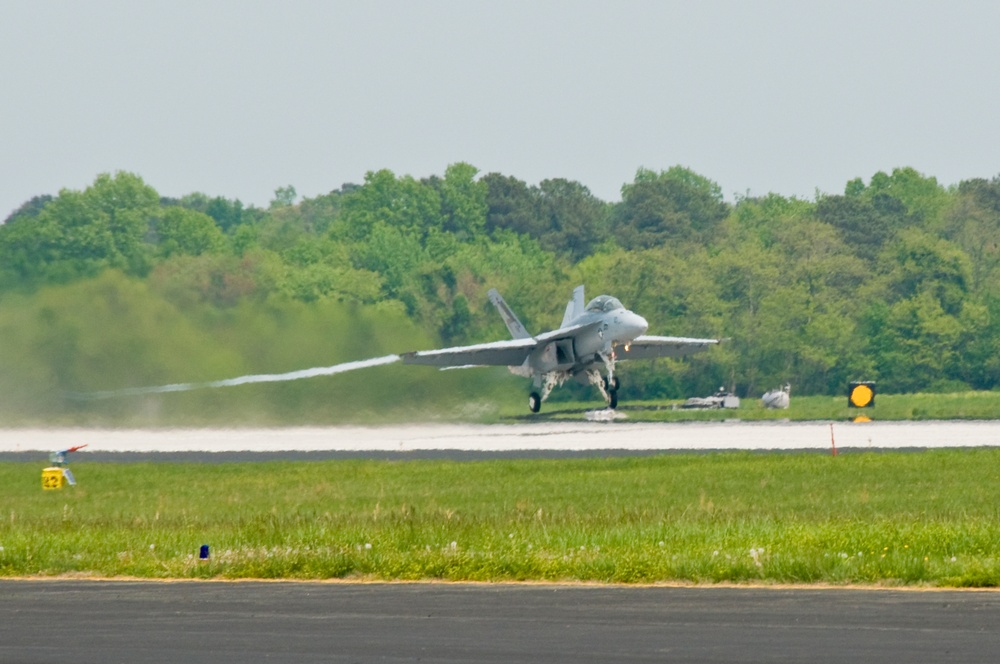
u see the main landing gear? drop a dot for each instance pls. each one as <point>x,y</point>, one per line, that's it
<point>611,389</point>
<point>608,386</point>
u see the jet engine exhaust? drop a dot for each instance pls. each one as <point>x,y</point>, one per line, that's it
<point>241,380</point>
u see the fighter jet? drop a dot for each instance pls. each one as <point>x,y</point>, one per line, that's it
<point>590,338</point>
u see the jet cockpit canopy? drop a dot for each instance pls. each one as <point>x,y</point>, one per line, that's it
<point>604,304</point>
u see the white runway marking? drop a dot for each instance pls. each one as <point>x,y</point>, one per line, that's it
<point>507,437</point>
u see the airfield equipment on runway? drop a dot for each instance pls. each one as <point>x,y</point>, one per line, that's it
<point>721,399</point>
<point>778,398</point>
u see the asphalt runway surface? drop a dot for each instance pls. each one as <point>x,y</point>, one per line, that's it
<point>92,622</point>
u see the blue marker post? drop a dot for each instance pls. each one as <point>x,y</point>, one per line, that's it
<point>203,553</point>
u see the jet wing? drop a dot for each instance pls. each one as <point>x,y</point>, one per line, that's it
<point>496,353</point>
<point>566,332</point>
<point>510,353</point>
<point>647,347</point>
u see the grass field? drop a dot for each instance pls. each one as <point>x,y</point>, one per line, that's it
<point>917,518</point>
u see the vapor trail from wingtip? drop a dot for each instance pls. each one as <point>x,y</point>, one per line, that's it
<point>241,380</point>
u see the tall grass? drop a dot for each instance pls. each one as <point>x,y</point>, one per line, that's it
<point>890,518</point>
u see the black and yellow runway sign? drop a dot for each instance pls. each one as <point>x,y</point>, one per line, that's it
<point>861,394</point>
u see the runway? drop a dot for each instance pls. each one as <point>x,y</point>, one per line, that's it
<point>86,621</point>
<point>126,621</point>
<point>545,436</point>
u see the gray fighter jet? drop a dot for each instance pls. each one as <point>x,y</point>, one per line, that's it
<point>589,339</point>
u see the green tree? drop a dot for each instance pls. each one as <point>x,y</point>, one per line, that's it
<point>78,234</point>
<point>319,268</point>
<point>402,203</point>
<point>463,201</point>
<point>30,208</point>
<point>980,356</point>
<point>128,206</point>
<point>399,259</point>
<point>218,280</point>
<point>914,343</point>
<point>768,217</point>
<point>921,262</point>
<point>284,197</point>
<point>923,196</point>
<point>576,220</point>
<point>562,215</point>
<point>183,231</point>
<point>512,206</point>
<point>457,325</point>
<point>229,215</point>
<point>973,223</point>
<point>673,205</point>
<point>865,224</point>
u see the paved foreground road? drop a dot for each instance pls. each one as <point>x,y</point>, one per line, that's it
<point>87,621</point>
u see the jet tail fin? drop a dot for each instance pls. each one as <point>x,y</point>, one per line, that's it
<point>517,330</point>
<point>574,308</point>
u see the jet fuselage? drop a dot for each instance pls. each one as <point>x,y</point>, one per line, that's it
<point>588,339</point>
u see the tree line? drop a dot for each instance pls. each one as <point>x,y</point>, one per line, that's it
<point>894,280</point>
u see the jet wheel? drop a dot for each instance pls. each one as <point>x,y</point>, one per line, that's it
<point>613,398</point>
<point>534,402</point>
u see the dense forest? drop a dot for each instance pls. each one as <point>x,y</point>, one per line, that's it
<point>115,286</point>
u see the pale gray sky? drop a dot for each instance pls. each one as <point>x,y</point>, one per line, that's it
<point>238,98</point>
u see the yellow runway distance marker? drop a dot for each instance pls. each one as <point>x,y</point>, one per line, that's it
<point>861,395</point>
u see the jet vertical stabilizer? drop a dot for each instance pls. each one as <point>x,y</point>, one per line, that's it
<point>517,330</point>
<point>574,308</point>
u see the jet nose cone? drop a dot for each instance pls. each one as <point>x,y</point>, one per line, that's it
<point>635,324</point>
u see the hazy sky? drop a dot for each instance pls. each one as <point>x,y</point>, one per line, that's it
<point>238,98</point>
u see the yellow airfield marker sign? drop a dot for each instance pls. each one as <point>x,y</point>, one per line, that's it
<point>861,395</point>
<point>55,477</point>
